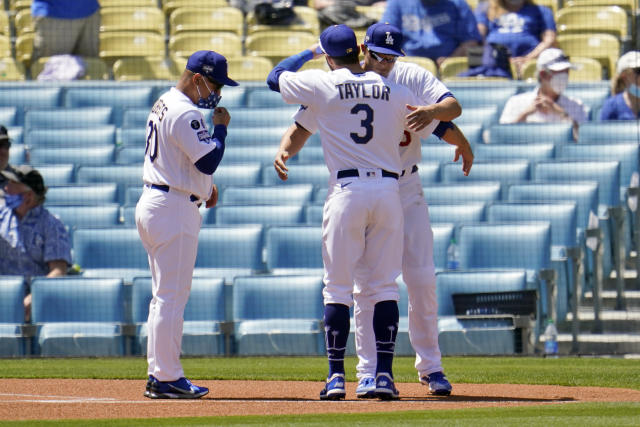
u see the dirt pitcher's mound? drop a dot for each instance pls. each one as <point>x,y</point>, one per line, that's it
<point>55,399</point>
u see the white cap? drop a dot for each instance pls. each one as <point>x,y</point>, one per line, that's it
<point>628,60</point>
<point>553,59</point>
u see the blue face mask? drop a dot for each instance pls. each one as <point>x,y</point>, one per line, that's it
<point>13,200</point>
<point>210,101</point>
<point>634,90</point>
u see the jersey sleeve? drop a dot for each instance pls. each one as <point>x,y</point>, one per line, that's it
<point>424,133</point>
<point>510,112</point>
<point>306,118</point>
<point>299,88</point>
<point>57,245</point>
<point>547,18</point>
<point>193,135</point>
<point>432,88</point>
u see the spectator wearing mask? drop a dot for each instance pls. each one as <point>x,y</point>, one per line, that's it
<point>5,147</point>
<point>32,241</point>
<point>522,27</point>
<point>546,103</point>
<point>624,103</point>
<point>435,29</point>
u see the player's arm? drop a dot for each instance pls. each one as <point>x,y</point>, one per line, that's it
<point>292,63</point>
<point>445,109</point>
<point>452,134</point>
<point>291,143</point>
<point>208,163</point>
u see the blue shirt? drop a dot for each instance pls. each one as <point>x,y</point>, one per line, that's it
<point>520,31</point>
<point>64,9</point>
<point>41,238</point>
<point>614,108</point>
<point>432,31</point>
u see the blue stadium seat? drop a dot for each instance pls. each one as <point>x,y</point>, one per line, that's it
<point>259,214</point>
<point>16,133</point>
<point>475,96</point>
<point>613,131</point>
<point>472,131</point>
<point>462,192</point>
<point>320,194</point>
<point>316,174</point>
<point>475,336</point>
<point>485,116</point>
<point>17,154</point>
<point>123,175</point>
<point>79,156</point>
<point>249,154</point>
<point>129,155</point>
<point>278,315</point>
<point>116,97</point>
<point>8,116</point>
<point>234,96</point>
<point>77,194</point>
<point>313,214</point>
<point>442,235</point>
<point>276,194</point>
<point>294,250</point>
<point>132,194</point>
<point>77,316</point>
<point>229,251</point>
<point>592,96</point>
<point>203,315</point>
<point>135,117</point>
<point>438,152</point>
<point>262,117</point>
<point>76,216</point>
<point>457,213</point>
<point>309,154</point>
<point>77,138</point>
<point>531,152</point>
<point>264,97</point>
<point>65,118</point>
<point>529,133</point>
<point>12,291</point>
<point>60,174</point>
<point>129,215</point>
<point>256,136</point>
<point>133,137</point>
<point>244,174</point>
<point>505,171</point>
<point>29,97</point>
<point>429,172</point>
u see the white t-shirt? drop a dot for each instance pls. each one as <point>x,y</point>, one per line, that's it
<point>177,138</point>
<point>520,102</point>
<point>361,117</point>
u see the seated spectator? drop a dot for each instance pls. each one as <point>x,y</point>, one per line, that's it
<point>321,4</point>
<point>247,5</point>
<point>522,27</point>
<point>435,29</point>
<point>624,103</point>
<point>5,146</point>
<point>65,27</point>
<point>32,241</point>
<point>546,103</point>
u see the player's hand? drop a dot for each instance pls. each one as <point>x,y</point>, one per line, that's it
<point>317,51</point>
<point>466,153</point>
<point>220,116</point>
<point>279,164</point>
<point>419,117</point>
<point>213,198</point>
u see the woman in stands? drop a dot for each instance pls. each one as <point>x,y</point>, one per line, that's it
<point>521,26</point>
<point>624,103</point>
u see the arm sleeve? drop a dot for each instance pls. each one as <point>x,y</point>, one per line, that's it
<point>606,113</point>
<point>392,14</point>
<point>510,112</point>
<point>57,245</point>
<point>208,163</point>
<point>292,63</point>
<point>547,17</point>
<point>468,26</point>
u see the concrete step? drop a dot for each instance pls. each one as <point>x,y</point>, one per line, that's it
<point>631,282</point>
<point>612,321</point>
<point>610,298</point>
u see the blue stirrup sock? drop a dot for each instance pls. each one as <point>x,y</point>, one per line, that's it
<point>385,328</point>
<point>336,332</point>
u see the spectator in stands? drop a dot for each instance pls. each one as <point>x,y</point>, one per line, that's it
<point>5,146</point>
<point>247,5</point>
<point>521,26</point>
<point>435,29</point>
<point>65,27</point>
<point>321,4</point>
<point>546,103</point>
<point>32,241</point>
<point>624,103</point>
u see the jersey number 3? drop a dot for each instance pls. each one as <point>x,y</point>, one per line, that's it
<point>366,123</point>
<point>152,138</point>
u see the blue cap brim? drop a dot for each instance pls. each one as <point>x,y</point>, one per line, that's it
<point>385,50</point>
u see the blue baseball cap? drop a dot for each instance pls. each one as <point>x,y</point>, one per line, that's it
<point>338,40</point>
<point>210,64</point>
<point>383,37</point>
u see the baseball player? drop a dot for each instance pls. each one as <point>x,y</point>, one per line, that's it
<point>180,158</point>
<point>381,49</point>
<point>360,117</point>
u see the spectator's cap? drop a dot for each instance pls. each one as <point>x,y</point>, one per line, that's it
<point>383,37</point>
<point>4,135</point>
<point>28,176</point>
<point>628,60</point>
<point>210,64</point>
<point>553,59</point>
<point>338,40</point>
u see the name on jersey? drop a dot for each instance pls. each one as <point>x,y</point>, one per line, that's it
<point>352,90</point>
<point>159,109</point>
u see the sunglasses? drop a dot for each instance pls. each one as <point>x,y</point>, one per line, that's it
<point>381,59</point>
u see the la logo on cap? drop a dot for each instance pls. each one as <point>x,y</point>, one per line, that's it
<point>389,39</point>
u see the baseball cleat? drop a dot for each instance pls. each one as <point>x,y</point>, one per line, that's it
<point>180,389</point>
<point>366,388</point>
<point>334,388</point>
<point>438,383</point>
<point>385,387</point>
<point>147,390</point>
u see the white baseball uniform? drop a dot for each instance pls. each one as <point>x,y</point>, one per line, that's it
<point>168,221</point>
<point>417,263</point>
<point>360,117</point>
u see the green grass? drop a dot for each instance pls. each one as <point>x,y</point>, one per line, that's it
<point>571,371</point>
<point>579,414</point>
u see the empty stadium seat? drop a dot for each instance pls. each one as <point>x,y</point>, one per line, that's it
<point>531,152</point>
<point>120,44</point>
<point>130,155</point>
<point>592,19</point>
<point>259,214</point>
<point>264,97</point>
<point>479,96</point>
<point>78,316</point>
<point>100,135</point>
<point>60,174</point>
<point>29,97</point>
<point>17,154</point>
<point>310,154</point>
<point>429,172</point>
<point>87,156</point>
<point>203,314</point>
<point>603,47</point>
<point>11,70</point>
<point>438,152</point>
<point>168,6</point>
<point>496,170</point>
<point>4,24</point>
<point>276,45</point>
<point>316,174</point>
<point>8,115</point>
<point>5,46</point>
<point>249,154</point>
<point>12,292</point>
<point>77,194</point>
<point>228,44</point>
<point>123,175</point>
<point>87,117</point>
<point>104,215</point>
<point>249,68</point>
<point>485,115</point>
<point>117,97</point>
<point>457,213</point>
<point>278,315</point>
<point>608,131</point>
<point>24,48</point>
<point>244,174</point>
<point>95,68</point>
<point>313,214</point>
<point>442,235</point>
<point>530,133</point>
<point>294,250</point>
<point>264,117</point>
<point>135,118</point>
<point>145,68</point>
<point>132,18</point>
<point>424,62</point>
<point>290,195</point>
<point>462,192</point>
<point>197,19</point>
